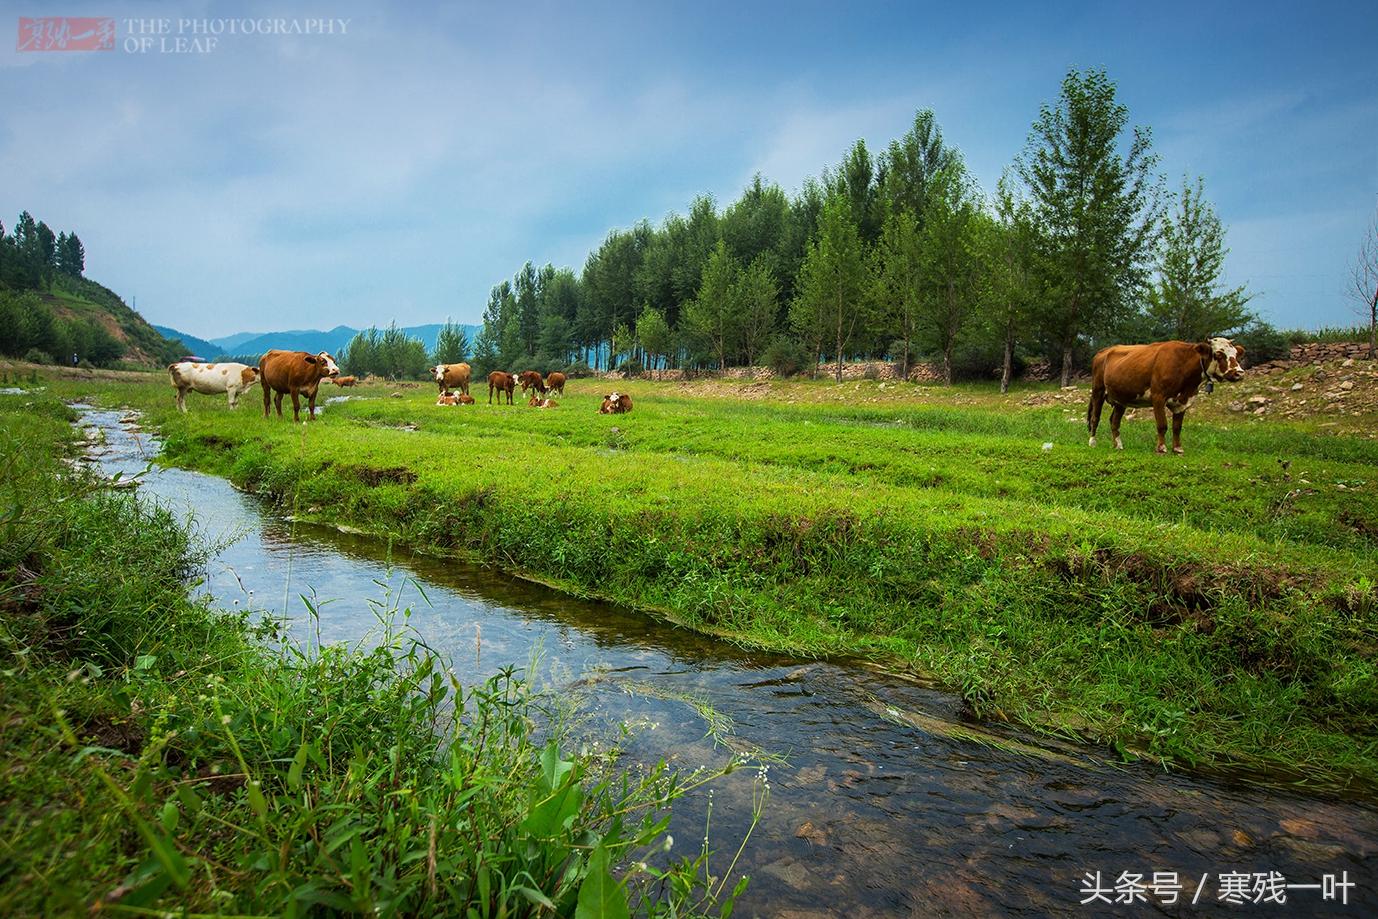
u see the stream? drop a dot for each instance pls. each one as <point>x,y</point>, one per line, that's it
<point>885,802</point>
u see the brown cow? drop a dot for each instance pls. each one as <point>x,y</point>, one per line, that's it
<point>531,379</point>
<point>1165,375</point>
<point>555,382</point>
<point>345,381</point>
<point>452,376</point>
<point>447,398</point>
<point>294,372</point>
<point>500,381</point>
<point>616,403</point>
<point>466,399</point>
<point>540,402</point>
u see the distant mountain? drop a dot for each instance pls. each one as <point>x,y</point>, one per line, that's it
<point>230,342</point>
<point>197,346</point>
<point>334,341</point>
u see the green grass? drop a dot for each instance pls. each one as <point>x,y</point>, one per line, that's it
<point>1216,609</point>
<point>161,757</point>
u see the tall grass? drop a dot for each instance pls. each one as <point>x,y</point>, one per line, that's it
<point>160,754</point>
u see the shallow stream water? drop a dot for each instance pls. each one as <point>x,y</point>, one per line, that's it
<point>885,804</point>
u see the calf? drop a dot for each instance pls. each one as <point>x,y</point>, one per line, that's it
<point>538,402</point>
<point>447,398</point>
<point>500,381</point>
<point>616,403</point>
<point>1165,375</point>
<point>297,373</point>
<point>555,382</point>
<point>211,379</point>
<point>345,381</point>
<point>452,376</point>
<point>531,379</point>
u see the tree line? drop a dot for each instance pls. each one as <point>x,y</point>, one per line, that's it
<point>33,261</point>
<point>900,256</point>
<point>393,354</point>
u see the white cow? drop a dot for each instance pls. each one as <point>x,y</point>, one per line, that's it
<point>210,379</point>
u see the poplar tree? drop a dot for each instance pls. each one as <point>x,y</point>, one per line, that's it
<point>833,283</point>
<point>1187,301</point>
<point>1098,208</point>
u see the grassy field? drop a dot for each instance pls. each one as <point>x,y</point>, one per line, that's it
<point>162,757</point>
<point>1217,609</point>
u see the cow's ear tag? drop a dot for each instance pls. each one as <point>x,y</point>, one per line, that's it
<point>1210,386</point>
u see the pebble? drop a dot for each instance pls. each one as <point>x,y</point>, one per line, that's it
<point>1297,387</point>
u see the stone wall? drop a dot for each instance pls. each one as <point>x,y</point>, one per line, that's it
<point>1314,353</point>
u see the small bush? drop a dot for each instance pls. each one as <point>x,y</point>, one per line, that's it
<point>35,356</point>
<point>785,356</point>
<point>578,369</point>
<point>1262,342</point>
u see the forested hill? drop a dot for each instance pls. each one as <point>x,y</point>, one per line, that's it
<point>49,312</point>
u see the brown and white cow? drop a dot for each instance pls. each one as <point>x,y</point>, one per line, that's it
<point>297,373</point>
<point>452,377</point>
<point>537,401</point>
<point>500,381</point>
<point>1165,375</point>
<point>211,379</point>
<point>615,403</point>
<point>447,398</point>
<point>345,381</point>
<point>531,379</point>
<point>555,383</point>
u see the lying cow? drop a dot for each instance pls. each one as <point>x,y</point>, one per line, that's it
<point>447,398</point>
<point>555,383</point>
<point>538,402</point>
<point>1165,375</point>
<point>616,403</point>
<point>452,377</point>
<point>345,381</point>
<point>297,373</point>
<point>531,379</point>
<point>211,379</point>
<point>500,381</point>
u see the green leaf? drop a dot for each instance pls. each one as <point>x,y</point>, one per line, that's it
<point>145,661</point>
<point>256,800</point>
<point>298,764</point>
<point>191,801</point>
<point>170,814</point>
<point>600,896</point>
<point>535,896</point>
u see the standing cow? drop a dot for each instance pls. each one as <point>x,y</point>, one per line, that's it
<point>500,381</point>
<point>211,379</point>
<point>531,379</point>
<point>1165,375</point>
<point>555,382</point>
<point>297,373</point>
<point>452,377</point>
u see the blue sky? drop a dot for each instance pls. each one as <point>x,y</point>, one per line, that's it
<point>399,170</point>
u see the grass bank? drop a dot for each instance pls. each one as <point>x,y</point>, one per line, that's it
<point>1216,609</point>
<point>161,755</point>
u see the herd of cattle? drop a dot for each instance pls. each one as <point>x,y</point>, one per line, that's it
<point>300,373</point>
<point>1166,375</point>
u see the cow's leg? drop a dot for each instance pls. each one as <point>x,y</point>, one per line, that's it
<point>1177,418</point>
<point>277,403</point>
<point>1116,414</point>
<point>1093,412</point>
<point>1160,416</point>
<point>234,397</point>
<point>490,393</point>
<point>296,407</point>
<point>311,405</point>
<point>267,399</point>
<point>181,398</point>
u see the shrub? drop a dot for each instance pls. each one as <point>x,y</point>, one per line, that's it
<point>785,356</point>
<point>1262,342</point>
<point>578,369</point>
<point>35,356</point>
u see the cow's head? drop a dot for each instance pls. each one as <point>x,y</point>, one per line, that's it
<point>248,376</point>
<point>438,373</point>
<point>1223,359</point>
<point>328,365</point>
